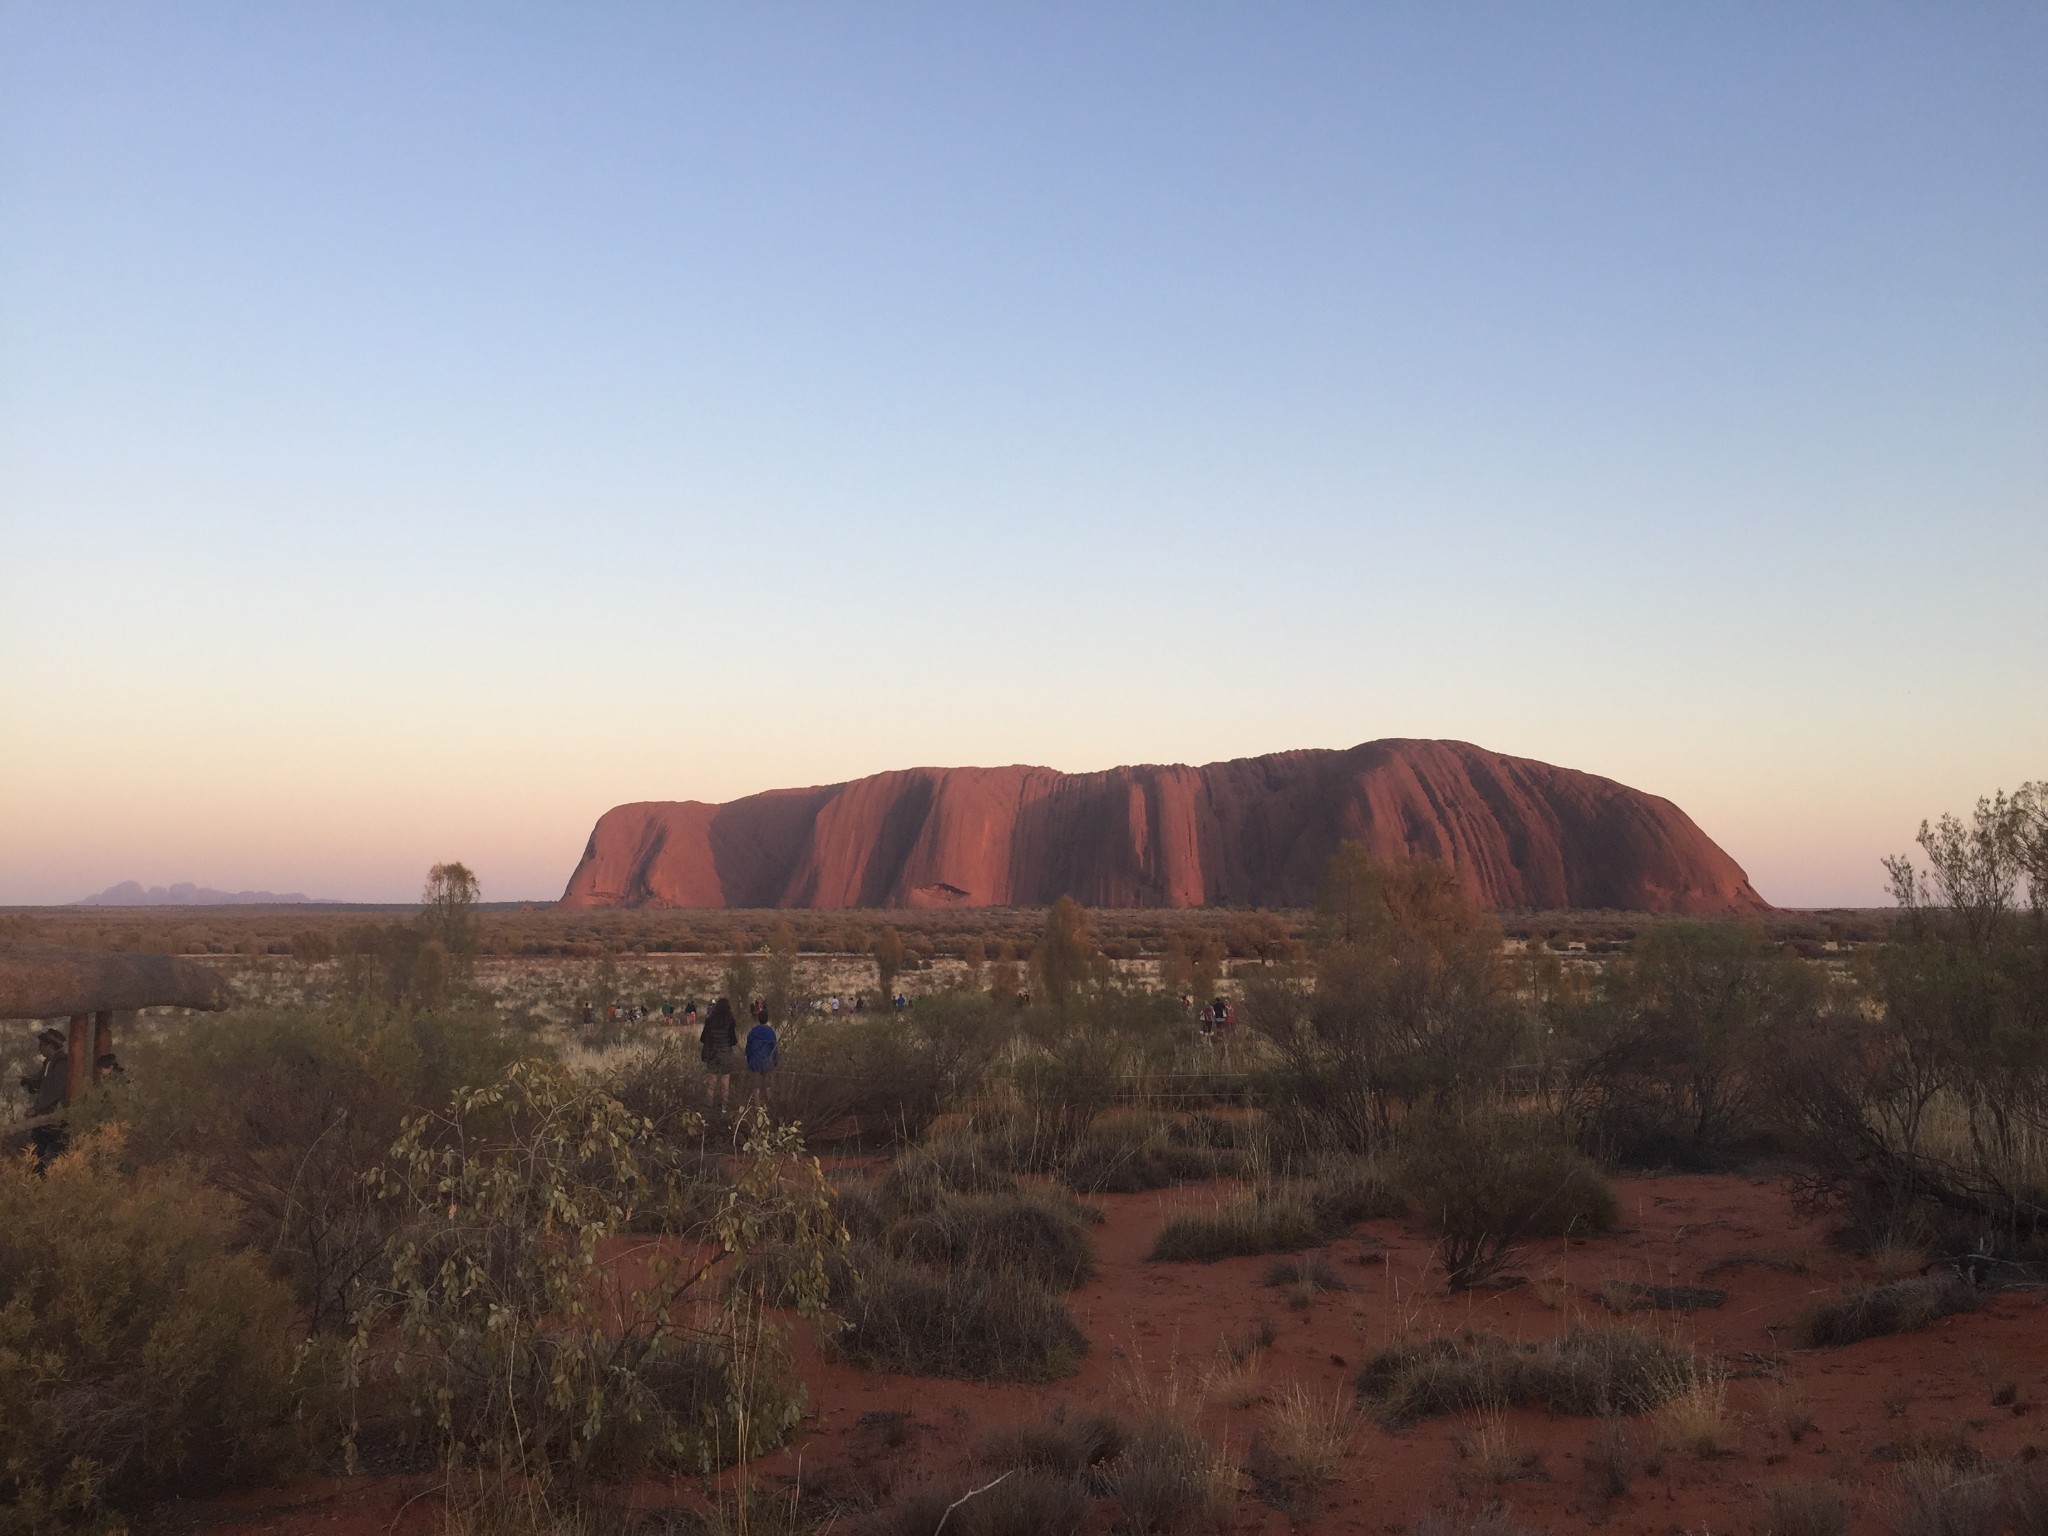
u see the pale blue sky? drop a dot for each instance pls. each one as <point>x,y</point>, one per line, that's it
<point>424,426</point>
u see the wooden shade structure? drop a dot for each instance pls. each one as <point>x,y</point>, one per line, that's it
<point>89,985</point>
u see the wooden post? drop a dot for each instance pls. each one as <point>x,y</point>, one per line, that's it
<point>102,1040</point>
<point>79,1067</point>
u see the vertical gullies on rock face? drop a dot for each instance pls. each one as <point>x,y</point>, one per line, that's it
<point>1252,832</point>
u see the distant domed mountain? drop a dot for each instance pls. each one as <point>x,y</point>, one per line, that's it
<point>130,893</point>
<point>1255,831</point>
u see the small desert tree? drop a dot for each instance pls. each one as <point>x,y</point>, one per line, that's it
<point>1934,1111</point>
<point>1666,1062</point>
<point>1411,1004</point>
<point>1005,978</point>
<point>1064,960</point>
<point>779,975</point>
<point>740,978</point>
<point>888,960</point>
<point>448,911</point>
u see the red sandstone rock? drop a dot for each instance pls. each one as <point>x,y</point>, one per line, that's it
<point>1256,831</point>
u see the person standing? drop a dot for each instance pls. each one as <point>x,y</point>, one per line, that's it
<point>717,1044</point>
<point>764,1053</point>
<point>45,1088</point>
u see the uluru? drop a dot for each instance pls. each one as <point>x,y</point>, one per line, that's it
<point>1251,832</point>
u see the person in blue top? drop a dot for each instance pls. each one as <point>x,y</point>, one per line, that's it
<point>764,1050</point>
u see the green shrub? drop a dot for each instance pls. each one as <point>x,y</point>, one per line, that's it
<point>883,1079</point>
<point>140,1355</point>
<point>1902,1306</point>
<point>1485,1184</point>
<point>960,1323</point>
<point>1592,1372</point>
<point>522,1351</point>
<point>287,1108</point>
<point>1267,1221</point>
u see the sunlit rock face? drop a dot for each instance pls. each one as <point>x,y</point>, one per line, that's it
<point>1252,832</point>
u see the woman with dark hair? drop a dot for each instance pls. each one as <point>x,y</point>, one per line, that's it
<point>717,1044</point>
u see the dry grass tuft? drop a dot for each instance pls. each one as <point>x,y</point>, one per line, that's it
<point>1610,1459</point>
<point>1492,1521</point>
<point>1897,1260</point>
<point>1933,1496</point>
<point>1696,1420</point>
<point>1071,1445</point>
<point>1233,1381</point>
<point>1900,1306</point>
<point>1804,1509</point>
<point>1268,1221</point>
<point>1789,1412</point>
<point>1309,1434</point>
<point>1495,1451</point>
<point>1596,1372</point>
<point>1170,1481</point>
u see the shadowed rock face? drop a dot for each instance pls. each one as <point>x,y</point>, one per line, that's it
<point>1256,831</point>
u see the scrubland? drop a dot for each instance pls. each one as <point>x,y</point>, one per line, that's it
<point>1697,1231</point>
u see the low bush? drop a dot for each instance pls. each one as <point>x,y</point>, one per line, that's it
<point>959,1323</point>
<point>1486,1184</point>
<point>923,1176</point>
<point>1281,1217</point>
<point>1343,1191</point>
<point>1119,1163</point>
<point>1027,1236</point>
<point>1266,1221</point>
<point>141,1356</point>
<point>1899,1307</point>
<point>1591,1372</point>
<point>879,1080</point>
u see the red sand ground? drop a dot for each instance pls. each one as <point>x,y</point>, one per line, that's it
<point>867,1432</point>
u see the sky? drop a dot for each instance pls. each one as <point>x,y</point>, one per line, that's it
<point>426,425</point>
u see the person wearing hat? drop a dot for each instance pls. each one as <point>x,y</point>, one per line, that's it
<point>46,1093</point>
